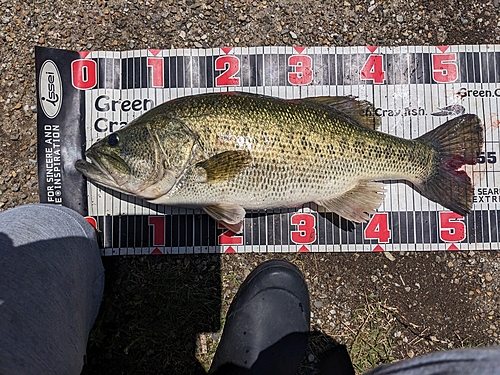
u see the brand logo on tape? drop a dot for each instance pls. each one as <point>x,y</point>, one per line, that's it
<point>50,89</point>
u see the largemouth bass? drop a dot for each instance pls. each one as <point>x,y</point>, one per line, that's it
<point>230,152</point>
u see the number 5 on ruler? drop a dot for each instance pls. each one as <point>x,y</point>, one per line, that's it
<point>451,227</point>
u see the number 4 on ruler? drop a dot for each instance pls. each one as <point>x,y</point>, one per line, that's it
<point>378,228</point>
<point>373,69</point>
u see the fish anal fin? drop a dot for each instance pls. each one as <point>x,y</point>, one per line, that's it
<point>229,215</point>
<point>226,165</point>
<point>360,110</point>
<point>356,204</point>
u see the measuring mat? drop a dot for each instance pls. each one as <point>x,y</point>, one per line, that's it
<point>84,96</point>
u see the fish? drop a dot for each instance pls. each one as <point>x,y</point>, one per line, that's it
<point>231,152</point>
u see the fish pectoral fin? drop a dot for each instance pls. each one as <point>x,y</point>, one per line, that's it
<point>360,110</point>
<point>356,204</point>
<point>229,215</point>
<point>226,165</point>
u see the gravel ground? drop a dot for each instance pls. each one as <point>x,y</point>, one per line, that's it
<point>384,306</point>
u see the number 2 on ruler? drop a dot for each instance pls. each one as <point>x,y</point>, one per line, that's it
<point>231,67</point>
<point>228,237</point>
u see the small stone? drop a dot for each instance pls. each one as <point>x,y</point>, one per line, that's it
<point>15,188</point>
<point>318,304</point>
<point>310,357</point>
<point>399,18</point>
<point>18,106</point>
<point>216,336</point>
<point>389,256</point>
<point>488,277</point>
<point>371,8</point>
<point>182,34</point>
<point>198,45</point>
<point>293,35</point>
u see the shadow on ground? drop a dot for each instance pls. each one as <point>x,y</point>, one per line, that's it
<point>153,311</point>
<point>151,314</point>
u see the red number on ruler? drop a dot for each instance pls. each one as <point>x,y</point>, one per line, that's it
<point>378,228</point>
<point>158,224</point>
<point>156,64</point>
<point>444,67</point>
<point>91,221</point>
<point>451,227</point>
<point>373,69</point>
<point>231,65</point>
<point>84,74</point>
<point>306,225</point>
<point>229,237</point>
<point>303,74</point>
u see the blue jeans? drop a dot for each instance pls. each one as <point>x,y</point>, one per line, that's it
<point>51,284</point>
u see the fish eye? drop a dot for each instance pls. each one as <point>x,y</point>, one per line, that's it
<point>113,139</point>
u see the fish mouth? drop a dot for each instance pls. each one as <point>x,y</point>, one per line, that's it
<point>98,170</point>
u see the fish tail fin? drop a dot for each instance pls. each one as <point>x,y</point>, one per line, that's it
<point>458,142</point>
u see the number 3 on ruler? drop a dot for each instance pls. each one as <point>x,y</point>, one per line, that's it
<point>306,228</point>
<point>378,228</point>
<point>231,66</point>
<point>303,74</point>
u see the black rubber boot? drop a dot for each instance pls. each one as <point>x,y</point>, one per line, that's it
<point>267,325</point>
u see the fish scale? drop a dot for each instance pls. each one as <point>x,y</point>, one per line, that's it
<point>311,156</point>
<point>231,152</point>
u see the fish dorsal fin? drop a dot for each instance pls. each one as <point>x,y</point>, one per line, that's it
<point>229,215</point>
<point>356,204</point>
<point>362,111</point>
<point>224,166</point>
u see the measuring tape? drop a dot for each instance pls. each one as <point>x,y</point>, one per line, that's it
<point>84,96</point>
